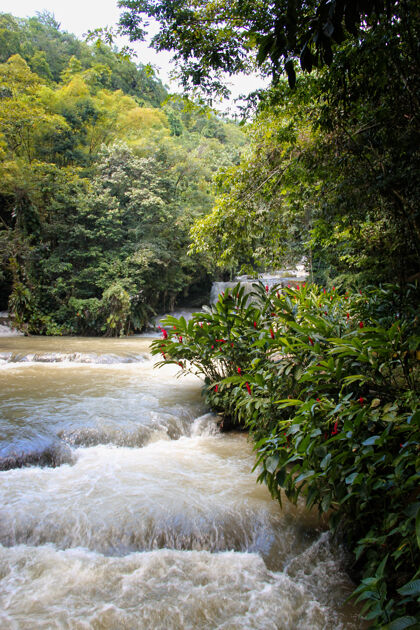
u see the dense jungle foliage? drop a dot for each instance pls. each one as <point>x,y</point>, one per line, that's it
<point>102,174</point>
<point>333,169</point>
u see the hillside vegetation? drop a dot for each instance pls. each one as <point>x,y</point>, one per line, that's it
<point>102,174</point>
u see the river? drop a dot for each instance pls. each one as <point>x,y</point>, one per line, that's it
<point>122,506</point>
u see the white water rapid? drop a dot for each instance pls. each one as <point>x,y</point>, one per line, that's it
<point>122,506</point>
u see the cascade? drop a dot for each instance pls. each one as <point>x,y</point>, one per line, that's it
<point>282,278</point>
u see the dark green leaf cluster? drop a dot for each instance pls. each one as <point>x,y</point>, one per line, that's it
<point>213,37</point>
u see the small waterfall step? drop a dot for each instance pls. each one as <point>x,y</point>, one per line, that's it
<point>281,278</point>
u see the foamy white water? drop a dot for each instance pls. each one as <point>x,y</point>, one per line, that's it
<point>122,506</point>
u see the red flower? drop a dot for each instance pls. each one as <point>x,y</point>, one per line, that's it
<point>271,333</point>
<point>311,341</point>
<point>216,388</point>
<point>231,344</point>
<point>255,324</point>
<point>164,334</point>
<point>348,315</point>
<point>361,400</point>
<point>212,347</point>
<point>297,287</point>
<point>266,288</point>
<point>318,400</point>
<point>239,370</point>
<point>180,338</point>
<point>333,288</point>
<point>335,430</point>
<point>325,290</point>
<point>248,388</point>
<point>361,324</point>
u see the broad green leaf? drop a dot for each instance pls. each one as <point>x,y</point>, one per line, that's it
<point>401,623</point>
<point>411,588</point>
<point>372,440</point>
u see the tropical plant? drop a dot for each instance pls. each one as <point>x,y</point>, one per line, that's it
<point>327,384</point>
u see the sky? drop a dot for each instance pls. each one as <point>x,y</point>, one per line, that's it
<point>80,16</point>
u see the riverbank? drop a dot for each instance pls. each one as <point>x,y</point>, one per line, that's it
<point>327,384</point>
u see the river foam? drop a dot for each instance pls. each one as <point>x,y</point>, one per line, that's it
<point>46,588</point>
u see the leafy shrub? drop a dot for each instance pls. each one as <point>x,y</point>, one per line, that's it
<point>327,384</point>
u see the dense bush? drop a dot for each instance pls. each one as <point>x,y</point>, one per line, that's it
<point>327,384</point>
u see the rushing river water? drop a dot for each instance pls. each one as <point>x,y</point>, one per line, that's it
<point>123,507</point>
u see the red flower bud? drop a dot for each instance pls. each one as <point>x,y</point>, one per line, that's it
<point>311,341</point>
<point>216,388</point>
<point>297,287</point>
<point>335,430</point>
<point>271,333</point>
<point>348,315</point>
<point>318,400</point>
<point>164,334</point>
<point>255,324</point>
<point>266,288</point>
<point>361,400</point>
<point>248,388</point>
<point>239,370</point>
<point>361,324</point>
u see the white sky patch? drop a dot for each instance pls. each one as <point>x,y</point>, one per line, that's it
<point>80,16</point>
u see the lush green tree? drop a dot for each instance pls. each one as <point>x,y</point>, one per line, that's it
<point>210,38</point>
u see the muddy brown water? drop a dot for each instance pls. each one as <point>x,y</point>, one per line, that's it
<point>122,506</point>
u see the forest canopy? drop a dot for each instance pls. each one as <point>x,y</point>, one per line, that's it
<point>332,171</point>
<point>102,174</point>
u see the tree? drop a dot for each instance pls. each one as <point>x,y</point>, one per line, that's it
<point>219,37</point>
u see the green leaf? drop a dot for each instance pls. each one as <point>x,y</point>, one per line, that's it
<point>271,463</point>
<point>411,588</point>
<point>304,476</point>
<point>401,623</point>
<point>418,527</point>
<point>372,440</point>
<point>326,461</point>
